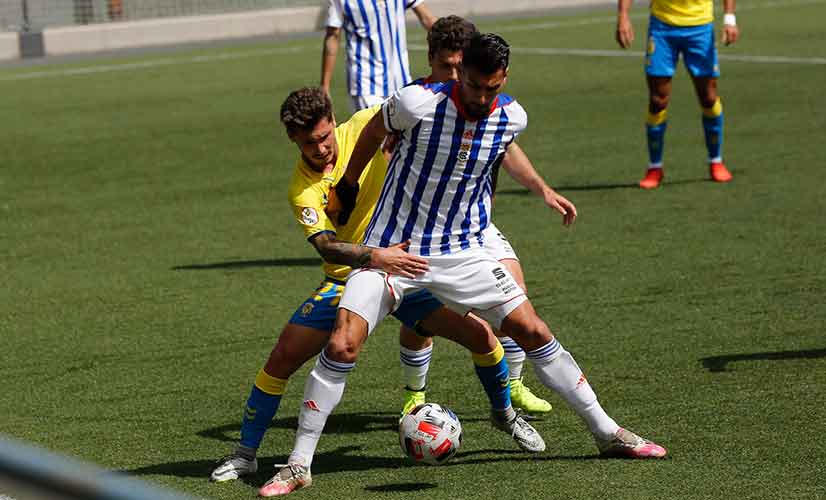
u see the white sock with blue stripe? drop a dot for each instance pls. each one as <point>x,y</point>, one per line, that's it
<point>322,393</point>
<point>415,365</point>
<point>514,355</point>
<point>557,370</point>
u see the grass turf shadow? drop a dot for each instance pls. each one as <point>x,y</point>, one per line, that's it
<point>719,363</point>
<point>337,423</point>
<point>244,264</point>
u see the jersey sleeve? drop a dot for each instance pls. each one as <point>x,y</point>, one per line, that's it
<point>518,118</point>
<point>309,212</point>
<point>411,4</point>
<point>335,14</point>
<point>399,111</point>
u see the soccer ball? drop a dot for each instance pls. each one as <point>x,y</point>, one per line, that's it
<point>430,434</point>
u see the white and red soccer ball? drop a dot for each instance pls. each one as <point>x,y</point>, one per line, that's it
<point>430,434</point>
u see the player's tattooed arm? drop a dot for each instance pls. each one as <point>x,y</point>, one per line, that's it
<point>393,260</point>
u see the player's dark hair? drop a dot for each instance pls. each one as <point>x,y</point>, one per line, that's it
<point>450,33</point>
<point>304,108</point>
<point>487,52</point>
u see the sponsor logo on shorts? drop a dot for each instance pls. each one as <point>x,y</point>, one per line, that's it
<point>504,282</point>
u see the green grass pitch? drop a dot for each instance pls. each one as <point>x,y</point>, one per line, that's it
<point>149,260</point>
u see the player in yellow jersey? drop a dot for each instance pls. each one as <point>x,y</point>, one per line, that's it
<point>681,27</point>
<point>325,151</point>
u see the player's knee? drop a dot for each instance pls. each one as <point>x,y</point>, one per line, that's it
<point>343,349</point>
<point>658,102</point>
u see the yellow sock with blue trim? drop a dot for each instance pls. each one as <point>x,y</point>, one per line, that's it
<point>655,125</point>
<point>492,370</point>
<point>713,129</point>
<point>262,405</point>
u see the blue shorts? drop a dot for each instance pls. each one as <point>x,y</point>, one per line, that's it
<point>319,310</point>
<point>667,42</point>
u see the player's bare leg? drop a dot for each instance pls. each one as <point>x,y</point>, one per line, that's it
<point>295,346</point>
<point>558,370</point>
<point>706,89</point>
<point>521,396</point>
<point>659,95</point>
<point>415,351</point>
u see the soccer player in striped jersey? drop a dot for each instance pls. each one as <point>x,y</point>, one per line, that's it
<point>325,149</point>
<point>376,42</point>
<point>681,27</point>
<point>437,196</point>
<point>446,40</point>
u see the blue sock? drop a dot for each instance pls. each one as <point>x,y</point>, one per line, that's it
<point>655,126</point>
<point>492,370</point>
<point>713,129</point>
<point>262,405</point>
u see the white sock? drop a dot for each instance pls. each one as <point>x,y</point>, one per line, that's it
<point>514,355</point>
<point>415,365</point>
<point>557,369</point>
<point>322,393</point>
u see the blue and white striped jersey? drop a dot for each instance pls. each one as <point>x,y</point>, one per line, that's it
<point>376,40</point>
<point>438,186</point>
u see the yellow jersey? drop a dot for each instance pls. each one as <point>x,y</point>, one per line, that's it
<point>683,12</point>
<point>309,188</point>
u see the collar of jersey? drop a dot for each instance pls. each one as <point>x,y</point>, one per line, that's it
<point>454,96</point>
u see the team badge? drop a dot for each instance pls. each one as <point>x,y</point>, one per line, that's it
<point>307,309</point>
<point>309,216</point>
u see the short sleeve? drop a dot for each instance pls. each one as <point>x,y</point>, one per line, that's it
<point>398,110</point>
<point>410,4</point>
<point>335,14</point>
<point>313,220</point>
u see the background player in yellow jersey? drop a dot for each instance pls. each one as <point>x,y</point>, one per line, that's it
<point>325,150</point>
<point>681,27</point>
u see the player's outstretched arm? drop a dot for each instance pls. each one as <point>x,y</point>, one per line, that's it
<point>426,18</point>
<point>520,168</point>
<point>730,30</point>
<point>328,56</point>
<point>625,30</point>
<point>393,260</point>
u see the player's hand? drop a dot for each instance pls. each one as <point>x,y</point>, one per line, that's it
<point>625,32</point>
<point>730,34</point>
<point>561,205</point>
<point>346,196</point>
<point>396,260</point>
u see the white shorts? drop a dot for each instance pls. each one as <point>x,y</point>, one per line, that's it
<point>497,244</point>
<point>359,102</point>
<point>467,281</point>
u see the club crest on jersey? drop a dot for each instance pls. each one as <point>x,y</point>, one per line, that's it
<point>468,135</point>
<point>464,152</point>
<point>309,216</point>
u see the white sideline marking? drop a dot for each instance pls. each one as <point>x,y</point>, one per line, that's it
<point>89,70</point>
<point>549,51</point>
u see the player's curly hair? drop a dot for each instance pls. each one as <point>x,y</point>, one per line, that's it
<point>304,108</point>
<point>449,33</point>
<point>487,52</point>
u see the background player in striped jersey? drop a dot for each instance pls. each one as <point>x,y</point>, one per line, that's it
<point>446,40</point>
<point>437,195</point>
<point>325,149</point>
<point>376,42</point>
<point>681,27</point>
